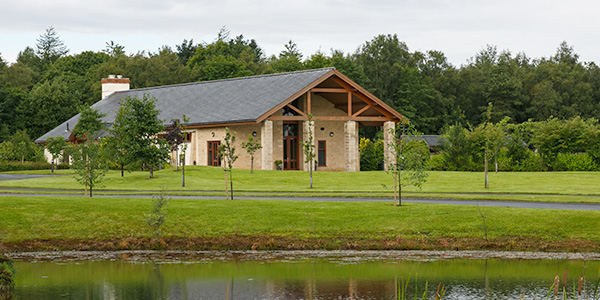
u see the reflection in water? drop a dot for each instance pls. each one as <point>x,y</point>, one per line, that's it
<point>297,279</point>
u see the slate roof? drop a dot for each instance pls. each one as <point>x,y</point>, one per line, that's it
<point>232,100</point>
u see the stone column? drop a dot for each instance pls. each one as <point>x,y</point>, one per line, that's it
<point>389,129</point>
<point>350,146</point>
<point>308,127</point>
<point>266,140</point>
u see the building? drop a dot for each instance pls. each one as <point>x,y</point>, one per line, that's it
<point>274,108</point>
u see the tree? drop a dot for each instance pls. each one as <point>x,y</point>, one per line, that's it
<point>50,47</point>
<point>289,59</point>
<point>409,159</point>
<point>251,147</point>
<point>308,147</point>
<point>114,49</point>
<point>10,99</point>
<point>138,125</point>
<point>185,51</point>
<point>227,152</point>
<point>87,157</point>
<point>493,138</point>
<point>50,103</point>
<point>55,146</point>
<point>176,137</point>
<point>23,146</point>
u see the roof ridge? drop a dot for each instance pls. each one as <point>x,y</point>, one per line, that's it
<point>226,79</point>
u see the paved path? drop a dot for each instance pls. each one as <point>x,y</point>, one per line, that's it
<point>22,176</point>
<point>492,203</point>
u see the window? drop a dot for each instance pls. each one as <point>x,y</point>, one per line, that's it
<point>187,137</point>
<point>322,154</point>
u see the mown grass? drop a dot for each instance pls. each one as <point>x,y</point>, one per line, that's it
<point>48,218</point>
<point>342,184</point>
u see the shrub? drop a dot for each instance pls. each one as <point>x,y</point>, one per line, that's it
<point>6,166</point>
<point>523,161</point>
<point>7,273</point>
<point>371,155</point>
<point>574,162</point>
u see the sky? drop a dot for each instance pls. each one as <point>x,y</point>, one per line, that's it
<point>458,28</point>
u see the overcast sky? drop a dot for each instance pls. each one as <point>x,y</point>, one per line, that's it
<point>459,28</point>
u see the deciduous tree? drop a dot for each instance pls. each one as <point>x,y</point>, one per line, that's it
<point>227,152</point>
<point>409,159</point>
<point>138,125</point>
<point>87,157</point>
<point>251,147</point>
<point>55,146</point>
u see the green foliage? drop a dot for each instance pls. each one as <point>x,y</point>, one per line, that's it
<point>7,166</point>
<point>88,159</point>
<point>458,150</point>
<point>19,147</point>
<point>574,162</point>
<point>7,274</point>
<point>50,103</point>
<point>410,159</point>
<point>137,126</point>
<point>288,60</point>
<point>371,155</point>
<point>89,125</point>
<point>55,145</point>
<point>224,58</point>
<point>227,152</point>
<point>308,146</point>
<point>158,214</point>
<point>10,99</point>
<point>251,147</point>
<point>227,149</point>
<point>50,47</point>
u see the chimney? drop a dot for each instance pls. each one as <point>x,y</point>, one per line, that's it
<point>114,83</point>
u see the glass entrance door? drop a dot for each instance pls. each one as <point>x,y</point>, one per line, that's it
<point>290,146</point>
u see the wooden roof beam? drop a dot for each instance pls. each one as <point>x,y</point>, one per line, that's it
<point>330,118</point>
<point>329,90</point>
<point>362,110</point>
<point>362,97</point>
<point>296,110</point>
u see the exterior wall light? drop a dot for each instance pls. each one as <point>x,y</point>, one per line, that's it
<point>254,133</point>
<point>213,134</point>
<point>331,134</point>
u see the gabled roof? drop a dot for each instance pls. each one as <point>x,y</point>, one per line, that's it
<point>226,101</point>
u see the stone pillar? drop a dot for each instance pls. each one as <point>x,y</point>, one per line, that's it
<point>308,127</point>
<point>389,134</point>
<point>266,140</point>
<point>350,146</point>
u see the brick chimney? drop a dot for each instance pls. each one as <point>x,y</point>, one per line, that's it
<point>114,83</point>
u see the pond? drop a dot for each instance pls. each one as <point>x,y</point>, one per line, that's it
<point>299,275</point>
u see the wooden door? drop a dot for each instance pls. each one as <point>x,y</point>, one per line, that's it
<point>213,153</point>
<point>290,146</point>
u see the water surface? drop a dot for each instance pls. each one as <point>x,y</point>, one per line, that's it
<point>347,275</point>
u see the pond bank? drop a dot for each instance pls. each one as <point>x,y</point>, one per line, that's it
<point>332,255</point>
<point>267,242</point>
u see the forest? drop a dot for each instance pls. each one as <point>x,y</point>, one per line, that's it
<point>47,85</point>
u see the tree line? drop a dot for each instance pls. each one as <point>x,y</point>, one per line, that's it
<point>46,85</point>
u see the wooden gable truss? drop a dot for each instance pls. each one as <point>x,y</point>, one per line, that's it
<point>359,105</point>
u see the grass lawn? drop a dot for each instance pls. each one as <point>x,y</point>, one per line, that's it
<point>376,184</point>
<point>79,218</point>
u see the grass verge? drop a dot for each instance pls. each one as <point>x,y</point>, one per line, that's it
<point>211,178</point>
<point>61,223</point>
